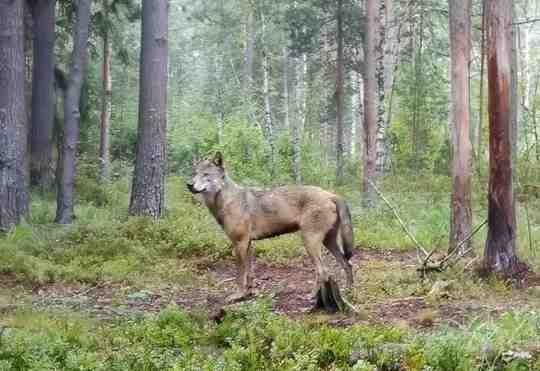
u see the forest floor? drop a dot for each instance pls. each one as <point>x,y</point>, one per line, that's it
<point>387,291</point>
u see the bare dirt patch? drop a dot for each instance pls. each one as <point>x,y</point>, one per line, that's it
<point>291,287</point>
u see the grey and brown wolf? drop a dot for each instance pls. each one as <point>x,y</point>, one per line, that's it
<point>247,215</point>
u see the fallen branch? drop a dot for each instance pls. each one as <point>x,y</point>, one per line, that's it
<point>405,229</point>
<point>440,266</point>
<point>463,242</point>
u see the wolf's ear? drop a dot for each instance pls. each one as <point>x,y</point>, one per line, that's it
<point>218,159</point>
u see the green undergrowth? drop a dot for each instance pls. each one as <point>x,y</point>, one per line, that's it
<point>251,337</point>
<point>105,245</point>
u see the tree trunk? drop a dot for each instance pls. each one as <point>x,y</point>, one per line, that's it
<point>72,115</point>
<point>380,141</point>
<point>391,65</point>
<point>370,102</point>
<point>460,51</point>
<point>534,122</point>
<point>479,152</point>
<point>105,102</point>
<point>499,254</point>
<point>248,53</point>
<point>299,123</point>
<point>43,97</point>
<point>291,125</point>
<point>12,113</point>
<point>359,137</point>
<point>339,95</point>
<point>268,122</point>
<point>23,135</point>
<point>287,120</point>
<point>148,189</point>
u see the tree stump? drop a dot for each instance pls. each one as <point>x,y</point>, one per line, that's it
<point>329,298</point>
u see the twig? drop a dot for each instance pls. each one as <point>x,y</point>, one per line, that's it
<point>226,280</point>
<point>470,263</point>
<point>418,246</point>
<point>464,241</point>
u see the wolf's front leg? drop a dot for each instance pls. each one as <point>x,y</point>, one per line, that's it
<point>243,254</point>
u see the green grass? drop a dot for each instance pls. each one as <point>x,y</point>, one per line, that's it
<point>104,244</point>
<point>252,338</point>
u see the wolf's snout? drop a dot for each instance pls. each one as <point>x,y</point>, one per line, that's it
<point>189,185</point>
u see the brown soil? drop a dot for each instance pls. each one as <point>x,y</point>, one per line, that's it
<point>290,286</point>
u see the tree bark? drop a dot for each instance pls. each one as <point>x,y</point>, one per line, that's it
<point>43,97</point>
<point>370,102</point>
<point>148,189</point>
<point>12,113</point>
<point>268,121</point>
<point>359,114</point>
<point>499,253</point>
<point>460,51</point>
<point>291,125</point>
<point>339,95</point>
<point>479,152</point>
<point>106,105</point>
<point>380,141</point>
<point>248,53</point>
<point>286,107</point>
<point>72,115</point>
<point>300,104</point>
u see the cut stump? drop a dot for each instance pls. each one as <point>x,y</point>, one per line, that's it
<point>329,298</point>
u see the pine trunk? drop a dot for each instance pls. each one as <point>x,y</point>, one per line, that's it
<point>460,47</point>
<point>359,137</point>
<point>499,254</point>
<point>339,96</point>
<point>370,102</point>
<point>72,115</point>
<point>148,189</point>
<point>106,104</point>
<point>12,113</point>
<point>291,125</point>
<point>248,53</point>
<point>43,97</point>
<point>268,121</point>
<point>479,151</point>
<point>380,141</point>
<point>286,107</point>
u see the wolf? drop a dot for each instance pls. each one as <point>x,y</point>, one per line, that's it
<point>246,214</point>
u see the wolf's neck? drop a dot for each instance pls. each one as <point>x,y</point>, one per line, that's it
<point>215,201</point>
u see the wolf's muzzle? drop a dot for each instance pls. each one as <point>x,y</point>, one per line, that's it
<point>192,188</point>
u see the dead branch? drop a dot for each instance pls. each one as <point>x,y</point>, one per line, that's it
<point>463,242</point>
<point>403,226</point>
<point>446,262</point>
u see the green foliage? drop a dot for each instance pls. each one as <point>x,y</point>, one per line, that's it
<point>250,338</point>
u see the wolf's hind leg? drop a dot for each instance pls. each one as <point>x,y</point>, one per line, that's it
<point>313,241</point>
<point>332,245</point>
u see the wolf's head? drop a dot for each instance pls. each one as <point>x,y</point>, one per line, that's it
<point>208,175</point>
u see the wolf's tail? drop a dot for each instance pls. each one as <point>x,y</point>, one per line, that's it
<point>345,228</point>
